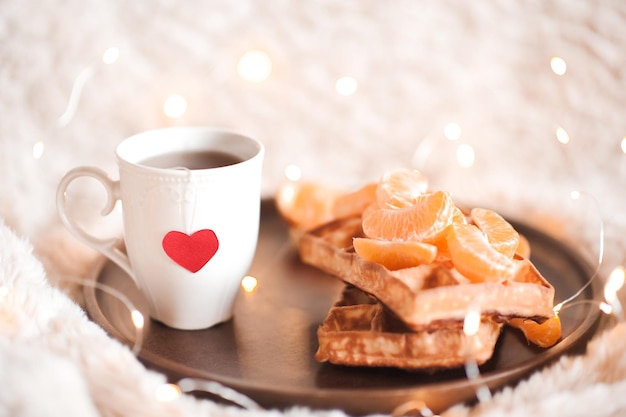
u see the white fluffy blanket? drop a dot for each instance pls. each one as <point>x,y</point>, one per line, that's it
<point>484,65</point>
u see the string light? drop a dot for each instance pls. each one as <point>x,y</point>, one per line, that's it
<point>346,86</point>
<point>175,106</point>
<point>38,149</point>
<point>410,407</point>
<point>138,319</point>
<point>254,66</point>
<point>613,285</point>
<point>452,131</point>
<point>465,155</point>
<point>215,388</point>
<point>136,316</point>
<point>576,195</point>
<point>471,323</point>
<point>249,283</point>
<point>293,172</point>
<point>562,135</point>
<point>167,392</point>
<point>110,56</point>
<point>558,65</point>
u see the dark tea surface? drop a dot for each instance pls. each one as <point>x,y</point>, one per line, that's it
<point>192,160</point>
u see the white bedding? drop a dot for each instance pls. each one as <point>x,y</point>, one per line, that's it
<point>419,66</point>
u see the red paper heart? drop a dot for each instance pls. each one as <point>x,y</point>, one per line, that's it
<point>191,252</point>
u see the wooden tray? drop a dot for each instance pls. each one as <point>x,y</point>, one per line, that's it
<point>266,351</point>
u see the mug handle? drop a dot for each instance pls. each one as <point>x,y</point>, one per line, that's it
<point>108,247</point>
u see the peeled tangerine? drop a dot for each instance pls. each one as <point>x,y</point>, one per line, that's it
<point>500,234</point>
<point>395,255</point>
<point>306,204</point>
<point>474,257</point>
<point>543,335</point>
<point>400,188</point>
<point>426,220</point>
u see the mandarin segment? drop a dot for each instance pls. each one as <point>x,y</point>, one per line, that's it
<point>523,248</point>
<point>354,203</point>
<point>400,188</point>
<point>502,236</point>
<point>544,334</point>
<point>306,204</point>
<point>425,221</point>
<point>474,257</point>
<point>395,255</point>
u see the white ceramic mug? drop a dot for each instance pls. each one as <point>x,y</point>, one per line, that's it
<point>190,233</point>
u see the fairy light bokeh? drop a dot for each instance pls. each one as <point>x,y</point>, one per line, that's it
<point>562,136</point>
<point>254,66</point>
<point>111,55</point>
<point>293,172</point>
<point>558,65</point>
<point>175,106</point>
<point>452,131</point>
<point>249,283</point>
<point>346,86</point>
<point>167,392</point>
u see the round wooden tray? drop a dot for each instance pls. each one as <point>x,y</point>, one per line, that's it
<point>266,351</point>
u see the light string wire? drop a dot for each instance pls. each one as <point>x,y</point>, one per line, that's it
<point>136,317</point>
<point>600,259</point>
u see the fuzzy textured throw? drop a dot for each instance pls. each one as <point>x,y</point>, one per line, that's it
<point>516,106</point>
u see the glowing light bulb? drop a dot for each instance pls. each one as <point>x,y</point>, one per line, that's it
<point>249,283</point>
<point>471,322</point>
<point>38,149</point>
<point>614,284</point>
<point>575,195</point>
<point>623,144</point>
<point>111,55</point>
<point>346,86</point>
<point>452,131</point>
<point>562,135</point>
<point>558,65</point>
<point>465,156</point>
<point>606,308</point>
<point>175,106</point>
<point>254,66</point>
<point>293,172</point>
<point>167,392</point>
<point>4,291</point>
<point>137,319</point>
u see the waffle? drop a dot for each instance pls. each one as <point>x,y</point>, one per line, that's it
<point>360,331</point>
<point>428,296</point>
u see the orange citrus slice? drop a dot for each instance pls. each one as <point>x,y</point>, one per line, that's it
<point>543,335</point>
<point>306,204</point>
<point>474,257</point>
<point>425,221</point>
<point>354,203</point>
<point>523,248</point>
<point>502,236</point>
<point>400,188</point>
<point>395,255</point>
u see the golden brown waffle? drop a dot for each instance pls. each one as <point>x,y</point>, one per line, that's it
<point>359,331</point>
<point>427,296</point>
